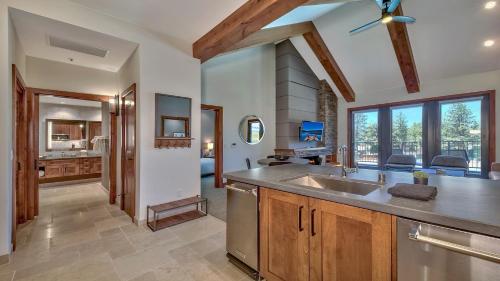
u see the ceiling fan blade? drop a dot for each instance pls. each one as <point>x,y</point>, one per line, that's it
<point>404,19</point>
<point>365,27</point>
<point>379,3</point>
<point>392,7</point>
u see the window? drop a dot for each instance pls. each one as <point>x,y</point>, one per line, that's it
<point>461,131</point>
<point>406,131</point>
<point>366,137</point>
<point>458,125</point>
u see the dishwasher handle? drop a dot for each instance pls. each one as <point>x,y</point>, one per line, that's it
<point>466,250</point>
<point>247,191</point>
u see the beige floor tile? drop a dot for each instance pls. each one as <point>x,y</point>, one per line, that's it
<point>79,236</point>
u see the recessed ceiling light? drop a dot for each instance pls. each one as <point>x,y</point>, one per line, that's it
<point>489,43</point>
<point>490,5</point>
<point>62,102</point>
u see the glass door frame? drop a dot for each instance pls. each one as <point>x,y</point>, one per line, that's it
<point>431,127</point>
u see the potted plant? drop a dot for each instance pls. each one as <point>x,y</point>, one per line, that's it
<point>420,177</point>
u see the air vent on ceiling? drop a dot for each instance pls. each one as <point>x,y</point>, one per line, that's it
<point>77,47</point>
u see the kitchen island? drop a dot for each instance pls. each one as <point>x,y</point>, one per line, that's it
<point>353,229</point>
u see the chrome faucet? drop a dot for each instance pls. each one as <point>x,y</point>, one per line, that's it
<point>346,170</point>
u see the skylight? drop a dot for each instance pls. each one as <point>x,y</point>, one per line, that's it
<point>303,14</point>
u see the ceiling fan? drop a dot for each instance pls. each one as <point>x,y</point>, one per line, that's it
<point>388,7</point>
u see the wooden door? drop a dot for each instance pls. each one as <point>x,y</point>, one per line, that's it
<point>20,139</point>
<point>349,243</point>
<point>284,236</point>
<point>94,130</point>
<point>128,152</point>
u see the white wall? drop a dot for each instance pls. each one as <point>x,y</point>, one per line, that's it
<point>165,175</point>
<point>47,74</point>
<point>456,85</point>
<point>65,112</point>
<point>243,83</point>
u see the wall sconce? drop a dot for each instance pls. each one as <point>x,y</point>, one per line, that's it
<point>114,105</point>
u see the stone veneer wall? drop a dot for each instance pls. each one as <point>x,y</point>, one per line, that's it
<point>328,110</point>
<point>300,95</point>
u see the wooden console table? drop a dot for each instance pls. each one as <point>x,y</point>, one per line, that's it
<point>160,223</point>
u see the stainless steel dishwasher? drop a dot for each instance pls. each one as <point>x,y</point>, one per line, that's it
<point>432,253</point>
<point>242,224</point>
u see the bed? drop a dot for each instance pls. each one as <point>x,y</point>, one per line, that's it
<point>207,166</point>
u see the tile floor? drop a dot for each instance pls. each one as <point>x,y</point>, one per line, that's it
<point>216,197</point>
<point>78,236</point>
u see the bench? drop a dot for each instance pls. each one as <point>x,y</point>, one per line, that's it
<point>158,222</point>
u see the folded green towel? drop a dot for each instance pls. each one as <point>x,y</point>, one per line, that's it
<point>413,191</point>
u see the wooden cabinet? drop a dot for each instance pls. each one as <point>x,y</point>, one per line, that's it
<point>70,169</point>
<point>284,236</point>
<point>304,238</point>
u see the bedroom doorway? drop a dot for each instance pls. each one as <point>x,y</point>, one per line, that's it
<point>211,160</point>
<point>212,145</point>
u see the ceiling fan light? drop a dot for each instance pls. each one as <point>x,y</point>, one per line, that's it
<point>386,19</point>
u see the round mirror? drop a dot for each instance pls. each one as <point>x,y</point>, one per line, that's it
<point>251,129</point>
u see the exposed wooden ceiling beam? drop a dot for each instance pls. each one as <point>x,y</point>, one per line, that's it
<point>248,19</point>
<point>402,47</point>
<point>319,48</point>
<point>271,35</point>
<point>322,2</point>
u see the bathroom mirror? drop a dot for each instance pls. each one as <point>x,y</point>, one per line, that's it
<point>252,129</point>
<point>65,135</point>
<point>172,121</point>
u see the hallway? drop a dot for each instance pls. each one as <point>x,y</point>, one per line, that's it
<point>79,236</point>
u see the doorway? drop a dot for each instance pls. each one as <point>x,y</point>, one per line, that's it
<point>212,138</point>
<point>128,172</point>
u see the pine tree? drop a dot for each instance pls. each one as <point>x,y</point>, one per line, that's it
<point>399,129</point>
<point>458,123</point>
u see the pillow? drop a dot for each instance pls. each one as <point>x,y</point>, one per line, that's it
<point>449,161</point>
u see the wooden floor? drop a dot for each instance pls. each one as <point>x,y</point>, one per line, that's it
<point>78,236</point>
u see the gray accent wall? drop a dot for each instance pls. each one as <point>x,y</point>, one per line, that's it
<point>296,96</point>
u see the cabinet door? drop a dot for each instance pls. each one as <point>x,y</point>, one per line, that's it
<point>53,170</point>
<point>75,132</point>
<point>349,243</point>
<point>284,236</point>
<point>71,168</point>
<point>95,165</point>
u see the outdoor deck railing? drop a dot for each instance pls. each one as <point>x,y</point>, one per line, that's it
<point>367,152</point>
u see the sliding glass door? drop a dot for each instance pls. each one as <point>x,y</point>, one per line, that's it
<point>459,125</point>
<point>461,131</point>
<point>406,131</point>
<point>365,133</point>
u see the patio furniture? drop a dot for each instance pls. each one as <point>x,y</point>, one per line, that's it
<point>495,171</point>
<point>400,162</point>
<point>450,163</point>
<point>458,153</point>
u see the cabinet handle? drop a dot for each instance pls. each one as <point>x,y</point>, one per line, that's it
<point>313,232</point>
<point>301,228</point>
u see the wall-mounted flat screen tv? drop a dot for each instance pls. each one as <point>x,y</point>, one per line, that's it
<point>311,131</point>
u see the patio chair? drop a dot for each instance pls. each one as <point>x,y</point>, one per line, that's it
<point>400,162</point>
<point>458,153</point>
<point>451,163</point>
<point>495,171</point>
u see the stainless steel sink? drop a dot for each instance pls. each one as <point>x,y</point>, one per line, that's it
<point>335,183</point>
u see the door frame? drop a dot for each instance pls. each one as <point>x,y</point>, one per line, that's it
<point>18,81</point>
<point>219,143</point>
<point>129,91</point>
<point>36,92</point>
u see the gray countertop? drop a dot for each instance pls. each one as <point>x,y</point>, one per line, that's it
<point>58,157</point>
<point>469,204</point>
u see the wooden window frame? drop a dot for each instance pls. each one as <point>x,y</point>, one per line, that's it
<point>431,128</point>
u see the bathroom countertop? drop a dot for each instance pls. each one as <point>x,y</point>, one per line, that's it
<point>469,204</point>
<point>59,157</point>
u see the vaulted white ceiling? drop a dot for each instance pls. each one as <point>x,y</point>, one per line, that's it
<point>184,21</point>
<point>447,41</point>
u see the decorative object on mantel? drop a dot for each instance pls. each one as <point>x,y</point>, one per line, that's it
<point>172,121</point>
<point>158,223</point>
